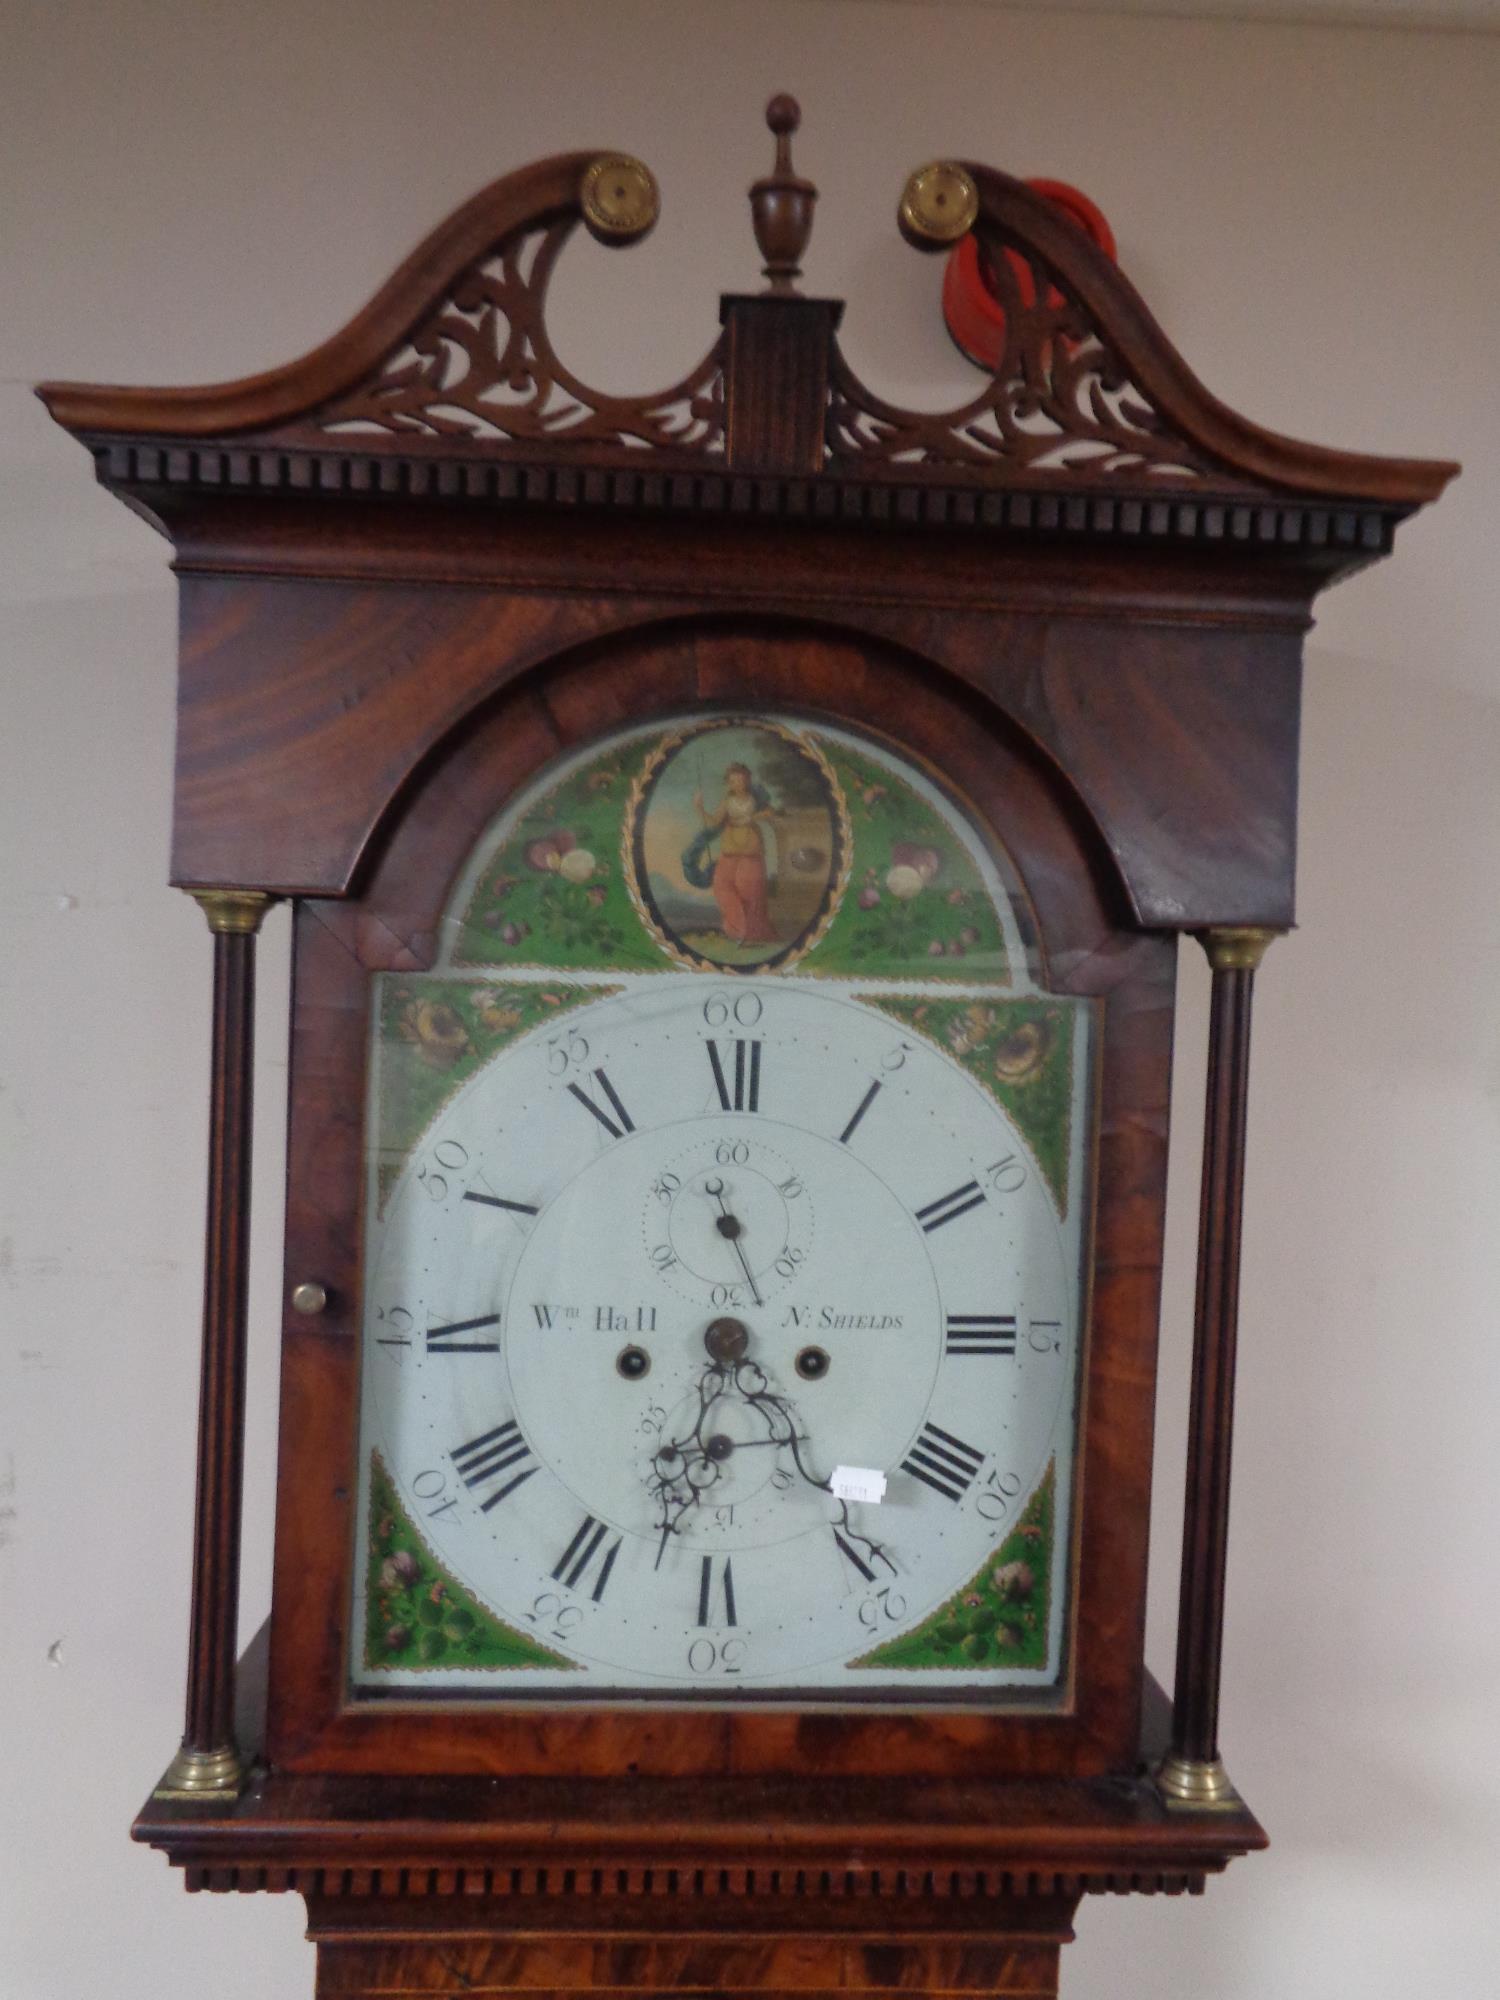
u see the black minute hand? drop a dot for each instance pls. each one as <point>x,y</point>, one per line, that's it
<point>730,1226</point>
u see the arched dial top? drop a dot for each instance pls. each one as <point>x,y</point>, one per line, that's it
<point>725,1223</point>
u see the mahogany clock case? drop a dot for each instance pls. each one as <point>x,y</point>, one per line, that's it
<point>407,586</point>
<point>393,923</point>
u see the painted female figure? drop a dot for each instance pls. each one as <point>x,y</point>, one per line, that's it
<point>739,875</point>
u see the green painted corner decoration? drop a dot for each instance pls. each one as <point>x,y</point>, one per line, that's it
<point>552,889</point>
<point>742,845</point>
<point>436,1033</point>
<point>1021,1051</point>
<point>1000,1617</point>
<point>919,907</point>
<point>416,1611</point>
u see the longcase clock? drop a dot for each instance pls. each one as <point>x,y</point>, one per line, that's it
<point>740,838</point>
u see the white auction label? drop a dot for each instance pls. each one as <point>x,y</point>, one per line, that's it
<point>857,1482</point>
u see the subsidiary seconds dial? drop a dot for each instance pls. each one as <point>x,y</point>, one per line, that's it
<point>729,1222</point>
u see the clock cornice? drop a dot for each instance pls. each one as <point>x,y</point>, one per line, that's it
<point>446,389</point>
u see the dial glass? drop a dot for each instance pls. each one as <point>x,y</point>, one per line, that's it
<point>726,1211</point>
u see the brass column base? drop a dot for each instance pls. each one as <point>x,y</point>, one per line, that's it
<point>1196,1784</point>
<point>202,1774</point>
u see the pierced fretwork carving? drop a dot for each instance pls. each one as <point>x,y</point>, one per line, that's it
<point>1061,399</point>
<point>481,366</point>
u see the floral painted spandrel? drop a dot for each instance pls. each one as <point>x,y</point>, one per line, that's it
<point>417,1613</point>
<point>552,892</point>
<point>436,1033</point>
<point>918,907</point>
<point>1000,1618</point>
<point>1021,1051</point>
<point>743,845</point>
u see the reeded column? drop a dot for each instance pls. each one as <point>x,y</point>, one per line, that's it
<point>208,1763</point>
<point>1192,1775</point>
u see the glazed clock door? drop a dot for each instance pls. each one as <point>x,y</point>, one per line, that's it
<point>730,1132</point>
<point>726,1211</point>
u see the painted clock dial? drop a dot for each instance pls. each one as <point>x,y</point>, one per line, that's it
<point>725,1227</point>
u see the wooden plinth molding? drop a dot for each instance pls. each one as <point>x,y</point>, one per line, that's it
<point>1018,1959</point>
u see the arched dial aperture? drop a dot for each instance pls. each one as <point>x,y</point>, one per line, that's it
<point>717,1337</point>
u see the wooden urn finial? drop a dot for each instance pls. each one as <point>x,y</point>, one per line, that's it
<point>782,203</point>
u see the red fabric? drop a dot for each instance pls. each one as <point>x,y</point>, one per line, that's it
<point>740,892</point>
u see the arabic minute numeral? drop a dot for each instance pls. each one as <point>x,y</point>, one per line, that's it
<point>430,1486</point>
<point>1007,1176</point>
<point>743,1009</point>
<point>566,1051</point>
<point>886,1606</point>
<point>726,1656</point>
<point>399,1322</point>
<point>448,1157</point>
<point>997,1496</point>
<point>558,1620</point>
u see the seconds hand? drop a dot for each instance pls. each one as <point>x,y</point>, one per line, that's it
<point>729,1225</point>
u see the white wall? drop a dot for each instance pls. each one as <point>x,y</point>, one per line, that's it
<point>193,191</point>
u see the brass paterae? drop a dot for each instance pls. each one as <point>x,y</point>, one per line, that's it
<point>939,204</point>
<point>619,198</point>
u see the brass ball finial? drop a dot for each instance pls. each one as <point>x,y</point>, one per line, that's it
<point>781,205</point>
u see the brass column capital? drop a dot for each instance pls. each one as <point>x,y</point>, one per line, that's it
<point>235,911</point>
<point>1237,947</point>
